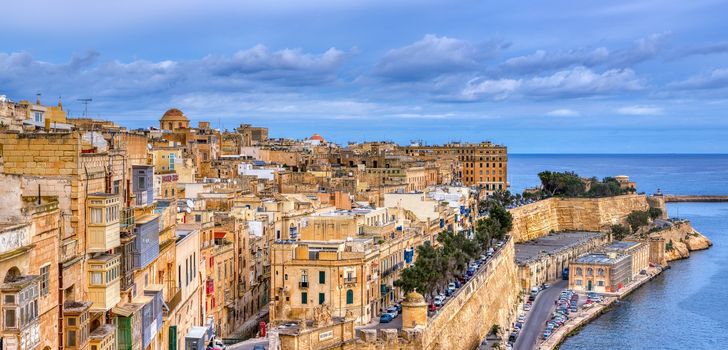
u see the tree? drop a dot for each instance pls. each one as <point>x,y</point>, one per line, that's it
<point>567,184</point>
<point>655,213</point>
<point>619,232</point>
<point>503,217</point>
<point>637,219</point>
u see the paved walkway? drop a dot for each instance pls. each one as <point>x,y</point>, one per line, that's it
<point>537,317</point>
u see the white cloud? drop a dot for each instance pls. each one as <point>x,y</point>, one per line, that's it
<point>563,112</point>
<point>715,79</point>
<point>576,82</point>
<point>540,61</point>
<point>640,110</point>
<point>432,56</point>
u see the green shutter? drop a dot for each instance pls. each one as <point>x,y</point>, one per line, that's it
<point>349,296</point>
<point>172,337</point>
<point>304,298</point>
<point>322,298</point>
<point>322,277</point>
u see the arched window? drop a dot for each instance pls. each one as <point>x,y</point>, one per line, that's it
<point>578,271</point>
<point>590,272</point>
<point>349,296</point>
<point>600,272</point>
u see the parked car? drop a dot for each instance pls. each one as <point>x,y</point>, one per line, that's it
<point>439,300</point>
<point>393,311</point>
<point>452,287</point>
<point>432,307</point>
<point>386,318</point>
<point>258,347</point>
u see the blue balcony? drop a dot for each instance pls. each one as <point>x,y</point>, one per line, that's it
<point>146,241</point>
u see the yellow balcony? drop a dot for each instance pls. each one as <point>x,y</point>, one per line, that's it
<point>104,282</point>
<point>103,222</point>
<point>103,338</point>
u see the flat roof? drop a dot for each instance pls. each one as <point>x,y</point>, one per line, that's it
<point>551,244</point>
<point>599,259</point>
<point>621,245</point>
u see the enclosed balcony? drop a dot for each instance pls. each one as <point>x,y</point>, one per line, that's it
<point>103,338</point>
<point>103,222</point>
<point>104,282</point>
<point>142,184</point>
<point>146,240</point>
<point>75,324</point>
<point>20,321</point>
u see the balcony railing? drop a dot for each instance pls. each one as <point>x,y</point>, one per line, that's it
<point>173,302</point>
<point>349,280</point>
<point>141,198</point>
<point>303,284</point>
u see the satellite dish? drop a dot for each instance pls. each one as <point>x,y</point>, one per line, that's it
<point>189,203</point>
<point>188,210</point>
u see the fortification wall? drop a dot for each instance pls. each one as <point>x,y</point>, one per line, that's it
<point>490,298</point>
<point>536,220</point>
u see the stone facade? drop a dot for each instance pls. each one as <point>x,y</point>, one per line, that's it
<point>572,214</point>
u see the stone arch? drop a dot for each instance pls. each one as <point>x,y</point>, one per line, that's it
<point>12,274</point>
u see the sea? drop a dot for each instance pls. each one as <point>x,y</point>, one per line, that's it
<point>686,307</point>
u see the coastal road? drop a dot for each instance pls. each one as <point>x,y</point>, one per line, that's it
<point>537,317</point>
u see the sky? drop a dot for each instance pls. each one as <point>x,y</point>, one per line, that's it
<point>539,77</point>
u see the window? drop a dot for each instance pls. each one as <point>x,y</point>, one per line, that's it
<point>142,183</point>
<point>322,298</point>
<point>600,283</point>
<point>577,282</point>
<point>96,216</point>
<point>71,338</point>
<point>322,277</point>
<point>600,272</point>
<point>590,272</point>
<point>578,271</point>
<point>10,321</point>
<point>38,117</point>
<point>71,321</point>
<point>96,277</point>
<point>304,298</point>
<point>349,296</point>
<point>44,280</point>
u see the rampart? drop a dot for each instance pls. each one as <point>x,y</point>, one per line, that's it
<point>538,219</point>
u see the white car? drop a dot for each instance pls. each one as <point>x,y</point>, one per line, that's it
<point>439,300</point>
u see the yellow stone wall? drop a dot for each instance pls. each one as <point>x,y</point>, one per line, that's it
<point>536,220</point>
<point>489,298</point>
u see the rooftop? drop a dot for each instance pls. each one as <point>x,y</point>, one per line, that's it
<point>599,259</point>
<point>552,244</point>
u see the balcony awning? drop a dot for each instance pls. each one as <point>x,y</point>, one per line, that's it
<point>220,235</point>
<point>126,310</point>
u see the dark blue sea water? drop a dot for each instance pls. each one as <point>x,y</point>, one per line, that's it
<point>671,173</point>
<point>687,306</point>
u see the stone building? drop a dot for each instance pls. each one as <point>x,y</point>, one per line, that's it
<point>600,272</point>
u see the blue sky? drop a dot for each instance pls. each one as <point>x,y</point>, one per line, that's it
<point>540,77</point>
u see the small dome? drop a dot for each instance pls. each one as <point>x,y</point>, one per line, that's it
<point>414,297</point>
<point>316,137</point>
<point>174,114</point>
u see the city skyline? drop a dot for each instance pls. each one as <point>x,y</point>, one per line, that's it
<point>642,77</point>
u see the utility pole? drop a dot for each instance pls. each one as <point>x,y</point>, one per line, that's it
<point>85,102</point>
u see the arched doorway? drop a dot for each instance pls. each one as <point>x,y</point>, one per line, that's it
<point>12,274</point>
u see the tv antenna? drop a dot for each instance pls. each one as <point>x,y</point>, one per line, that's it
<point>85,102</point>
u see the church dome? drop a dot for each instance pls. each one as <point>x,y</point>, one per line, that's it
<point>174,114</point>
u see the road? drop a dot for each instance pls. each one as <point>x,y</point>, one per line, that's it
<point>540,312</point>
<point>395,323</point>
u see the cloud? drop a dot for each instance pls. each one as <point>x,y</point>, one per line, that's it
<point>640,110</point>
<point>255,69</point>
<point>641,50</point>
<point>571,83</point>
<point>715,79</point>
<point>581,81</point>
<point>563,112</point>
<point>432,56</point>
<point>703,49</point>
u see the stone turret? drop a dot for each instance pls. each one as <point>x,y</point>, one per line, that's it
<point>414,311</point>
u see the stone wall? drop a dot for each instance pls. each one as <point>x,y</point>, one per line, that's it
<point>538,219</point>
<point>684,239</point>
<point>491,297</point>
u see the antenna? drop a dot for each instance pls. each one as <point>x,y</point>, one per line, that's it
<point>85,102</point>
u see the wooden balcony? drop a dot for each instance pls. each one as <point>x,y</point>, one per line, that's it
<point>103,222</point>
<point>104,282</point>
